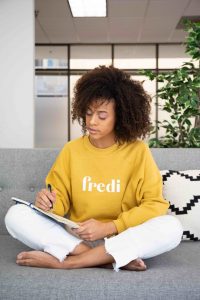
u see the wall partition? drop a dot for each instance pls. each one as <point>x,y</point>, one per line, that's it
<point>17,74</point>
<point>58,67</point>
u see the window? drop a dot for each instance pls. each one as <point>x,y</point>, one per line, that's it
<point>172,56</point>
<point>135,57</point>
<point>89,57</point>
<point>51,110</point>
<point>51,57</point>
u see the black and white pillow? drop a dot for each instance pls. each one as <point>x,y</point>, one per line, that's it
<point>182,190</point>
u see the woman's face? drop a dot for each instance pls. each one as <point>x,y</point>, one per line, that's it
<point>100,123</point>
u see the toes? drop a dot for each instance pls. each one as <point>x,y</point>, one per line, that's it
<point>136,265</point>
<point>140,263</point>
<point>23,262</point>
<point>22,255</point>
<point>24,259</point>
<point>136,268</point>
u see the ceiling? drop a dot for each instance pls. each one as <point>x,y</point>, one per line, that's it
<point>127,21</point>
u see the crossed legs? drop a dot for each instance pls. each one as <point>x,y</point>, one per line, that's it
<point>90,257</point>
<point>56,248</point>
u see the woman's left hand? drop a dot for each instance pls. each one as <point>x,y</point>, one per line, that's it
<point>92,230</point>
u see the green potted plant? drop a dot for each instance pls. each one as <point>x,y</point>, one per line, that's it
<point>180,93</point>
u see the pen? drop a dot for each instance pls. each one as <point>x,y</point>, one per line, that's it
<point>50,190</point>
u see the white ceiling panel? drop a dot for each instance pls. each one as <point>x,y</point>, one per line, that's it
<point>53,8</point>
<point>165,8</point>
<point>193,8</point>
<point>177,35</point>
<point>126,8</point>
<point>40,36</point>
<point>157,29</point>
<point>55,24</point>
<point>123,30</point>
<point>91,29</point>
<point>58,28</point>
<point>158,24</point>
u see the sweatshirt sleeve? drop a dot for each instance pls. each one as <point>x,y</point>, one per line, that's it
<point>59,178</point>
<point>150,202</point>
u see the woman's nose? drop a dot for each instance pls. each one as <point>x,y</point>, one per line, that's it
<point>93,119</point>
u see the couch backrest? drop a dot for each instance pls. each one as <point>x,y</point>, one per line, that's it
<point>23,171</point>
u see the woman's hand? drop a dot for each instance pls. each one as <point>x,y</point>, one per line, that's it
<point>45,199</point>
<point>92,230</point>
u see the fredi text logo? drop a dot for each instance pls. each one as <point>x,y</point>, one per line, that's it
<point>112,187</point>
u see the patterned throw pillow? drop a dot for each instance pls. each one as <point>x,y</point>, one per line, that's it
<point>182,190</point>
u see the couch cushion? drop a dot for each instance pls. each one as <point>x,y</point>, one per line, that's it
<point>172,275</point>
<point>22,175</point>
<point>182,189</point>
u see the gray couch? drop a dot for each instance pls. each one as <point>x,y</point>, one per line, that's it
<point>172,275</point>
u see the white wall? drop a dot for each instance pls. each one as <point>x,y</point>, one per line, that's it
<point>17,73</point>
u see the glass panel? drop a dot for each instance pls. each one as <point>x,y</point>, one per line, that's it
<point>135,57</point>
<point>89,57</point>
<point>51,86</point>
<point>51,57</point>
<point>51,109</point>
<point>172,56</point>
<point>150,88</point>
<point>75,130</point>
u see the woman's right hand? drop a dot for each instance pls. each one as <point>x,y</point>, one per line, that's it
<point>45,199</point>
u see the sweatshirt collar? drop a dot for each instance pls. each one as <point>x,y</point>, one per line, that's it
<point>94,149</point>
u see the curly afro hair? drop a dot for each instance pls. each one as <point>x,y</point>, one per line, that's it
<point>132,103</point>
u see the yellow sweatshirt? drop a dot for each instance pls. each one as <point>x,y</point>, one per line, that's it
<point>119,183</point>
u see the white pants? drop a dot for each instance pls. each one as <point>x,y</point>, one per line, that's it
<point>153,237</point>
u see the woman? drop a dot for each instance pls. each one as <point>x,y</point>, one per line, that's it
<point>107,181</point>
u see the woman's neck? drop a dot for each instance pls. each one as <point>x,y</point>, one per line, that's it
<point>102,143</point>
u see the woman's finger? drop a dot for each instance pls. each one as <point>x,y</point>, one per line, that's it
<point>42,205</point>
<point>44,200</point>
<point>50,195</point>
<point>80,230</point>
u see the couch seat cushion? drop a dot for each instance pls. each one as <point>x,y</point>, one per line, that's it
<point>172,275</point>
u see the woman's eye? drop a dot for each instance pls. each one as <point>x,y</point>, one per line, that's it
<point>88,113</point>
<point>102,116</point>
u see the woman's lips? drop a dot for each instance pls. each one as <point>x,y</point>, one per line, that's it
<point>91,130</point>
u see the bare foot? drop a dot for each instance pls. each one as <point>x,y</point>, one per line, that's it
<point>38,259</point>
<point>135,265</point>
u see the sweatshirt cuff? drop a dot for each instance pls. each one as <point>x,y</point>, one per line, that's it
<point>120,225</point>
